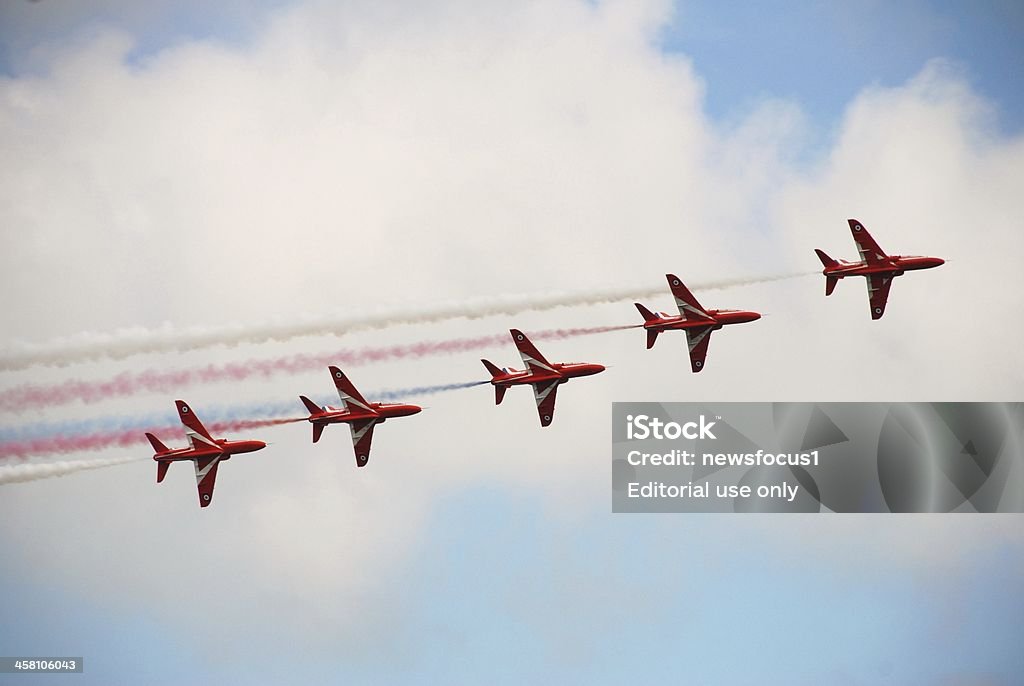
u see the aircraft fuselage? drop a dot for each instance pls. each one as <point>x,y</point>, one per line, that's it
<point>561,372</point>
<point>895,265</point>
<point>719,318</point>
<point>378,411</point>
<point>226,450</point>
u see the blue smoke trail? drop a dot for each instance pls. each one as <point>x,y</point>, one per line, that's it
<point>209,415</point>
<point>400,393</point>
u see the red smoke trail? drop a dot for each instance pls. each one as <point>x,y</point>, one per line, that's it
<point>121,439</point>
<point>31,396</point>
<point>121,344</point>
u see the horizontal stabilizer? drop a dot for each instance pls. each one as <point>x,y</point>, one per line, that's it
<point>313,408</point>
<point>492,368</point>
<point>161,470</point>
<point>826,261</point>
<point>830,284</point>
<point>155,442</point>
<point>499,394</point>
<point>318,430</point>
<point>646,314</point>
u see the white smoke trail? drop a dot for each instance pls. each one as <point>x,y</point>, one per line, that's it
<point>127,342</point>
<point>12,474</point>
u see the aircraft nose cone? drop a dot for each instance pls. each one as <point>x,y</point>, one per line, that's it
<point>259,445</point>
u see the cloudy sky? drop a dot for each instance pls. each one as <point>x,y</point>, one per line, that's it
<point>187,167</point>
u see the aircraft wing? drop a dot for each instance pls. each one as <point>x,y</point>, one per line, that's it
<point>532,358</point>
<point>362,435</point>
<point>866,245</point>
<point>351,399</point>
<point>878,293</point>
<point>544,392</point>
<point>197,434</point>
<point>688,306</point>
<point>206,476</point>
<point>697,339</point>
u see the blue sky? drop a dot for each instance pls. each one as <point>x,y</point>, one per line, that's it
<point>819,55</point>
<point>822,54</point>
<point>495,586</point>
<point>483,608</point>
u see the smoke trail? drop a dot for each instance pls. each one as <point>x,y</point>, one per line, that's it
<point>79,427</point>
<point>32,396</point>
<point>11,474</point>
<point>105,432</point>
<point>400,394</point>
<point>127,342</point>
<point>119,439</point>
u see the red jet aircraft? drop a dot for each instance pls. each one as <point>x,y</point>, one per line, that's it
<point>539,373</point>
<point>206,452</point>
<point>878,268</point>
<point>692,318</point>
<point>360,415</point>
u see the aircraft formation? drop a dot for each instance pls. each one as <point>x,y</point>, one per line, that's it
<point>206,452</point>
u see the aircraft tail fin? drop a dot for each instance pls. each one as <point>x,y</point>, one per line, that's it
<point>492,368</point>
<point>646,314</point>
<point>830,283</point>
<point>652,336</point>
<point>313,408</point>
<point>314,411</point>
<point>826,261</point>
<point>158,446</point>
<point>161,470</point>
<point>499,391</point>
